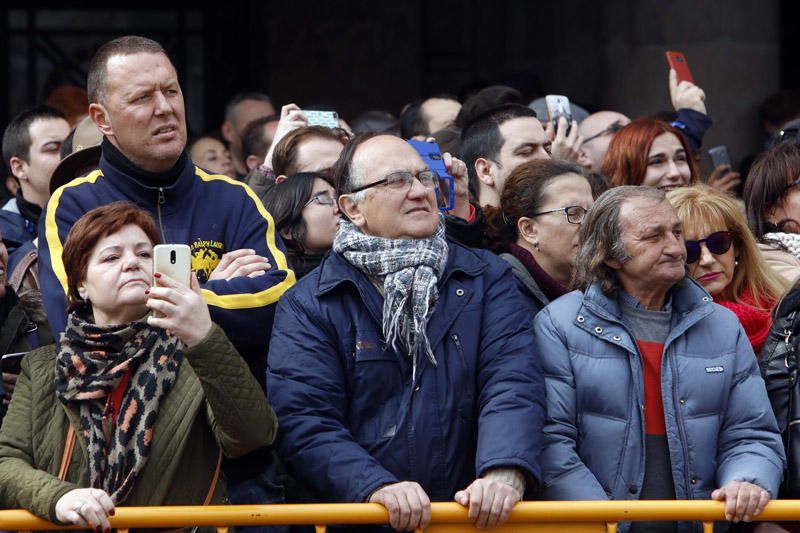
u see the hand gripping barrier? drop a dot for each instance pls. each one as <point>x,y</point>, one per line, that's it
<point>446,517</point>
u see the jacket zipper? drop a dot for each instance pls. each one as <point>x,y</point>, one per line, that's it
<point>457,342</point>
<point>679,420</point>
<point>161,201</point>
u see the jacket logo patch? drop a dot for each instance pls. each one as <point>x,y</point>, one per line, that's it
<point>714,369</point>
<point>365,345</point>
<point>205,257</point>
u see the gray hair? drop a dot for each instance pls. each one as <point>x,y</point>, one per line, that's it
<point>233,103</point>
<point>346,176</point>
<point>600,238</point>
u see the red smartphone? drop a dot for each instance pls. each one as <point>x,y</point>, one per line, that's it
<point>678,63</point>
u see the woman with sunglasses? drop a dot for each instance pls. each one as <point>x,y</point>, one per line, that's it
<point>772,198</point>
<point>535,229</point>
<point>306,215</point>
<point>723,256</point>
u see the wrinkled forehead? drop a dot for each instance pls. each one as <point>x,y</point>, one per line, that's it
<point>381,155</point>
<point>642,214</point>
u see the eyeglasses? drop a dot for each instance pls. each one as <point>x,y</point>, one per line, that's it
<point>614,127</point>
<point>717,243</point>
<point>322,198</point>
<point>795,183</point>
<point>574,213</point>
<point>401,181</point>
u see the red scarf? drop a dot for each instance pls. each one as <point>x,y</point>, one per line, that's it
<point>756,322</point>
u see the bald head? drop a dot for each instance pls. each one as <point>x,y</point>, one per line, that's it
<point>596,130</point>
<point>376,157</point>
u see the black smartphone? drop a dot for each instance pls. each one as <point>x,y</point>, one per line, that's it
<point>10,362</point>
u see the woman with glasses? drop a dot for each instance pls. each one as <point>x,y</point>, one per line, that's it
<point>535,229</point>
<point>306,216</point>
<point>723,256</point>
<point>649,152</point>
<point>772,200</point>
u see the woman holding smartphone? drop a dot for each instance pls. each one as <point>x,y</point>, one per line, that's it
<point>139,411</point>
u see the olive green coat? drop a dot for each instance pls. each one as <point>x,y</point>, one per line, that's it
<point>215,403</point>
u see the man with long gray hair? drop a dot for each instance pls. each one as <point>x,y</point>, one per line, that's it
<point>653,391</point>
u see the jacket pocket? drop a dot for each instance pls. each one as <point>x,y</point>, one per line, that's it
<point>376,398</point>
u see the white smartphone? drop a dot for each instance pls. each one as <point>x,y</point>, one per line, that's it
<point>558,106</point>
<point>174,260</point>
<point>327,119</point>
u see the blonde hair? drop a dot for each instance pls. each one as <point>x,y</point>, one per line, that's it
<point>715,210</point>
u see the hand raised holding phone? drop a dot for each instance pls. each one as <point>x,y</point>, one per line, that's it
<point>175,300</point>
<point>182,310</point>
<point>683,92</point>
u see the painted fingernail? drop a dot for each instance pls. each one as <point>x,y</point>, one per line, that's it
<point>112,512</point>
<point>157,275</point>
<point>147,291</point>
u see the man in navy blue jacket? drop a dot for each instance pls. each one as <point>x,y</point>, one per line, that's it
<point>402,370</point>
<point>137,103</point>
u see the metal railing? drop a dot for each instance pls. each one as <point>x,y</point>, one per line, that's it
<point>447,517</point>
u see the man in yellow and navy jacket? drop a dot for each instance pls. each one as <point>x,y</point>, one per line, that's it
<point>137,103</point>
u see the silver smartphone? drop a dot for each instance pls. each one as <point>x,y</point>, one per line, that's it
<point>719,156</point>
<point>557,107</point>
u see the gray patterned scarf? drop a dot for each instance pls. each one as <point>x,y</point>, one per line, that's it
<point>410,270</point>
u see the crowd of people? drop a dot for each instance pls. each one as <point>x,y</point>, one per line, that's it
<point>589,318</point>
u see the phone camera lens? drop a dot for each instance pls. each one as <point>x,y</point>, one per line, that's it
<point>172,257</point>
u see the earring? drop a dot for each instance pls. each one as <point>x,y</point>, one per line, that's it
<point>536,245</point>
<point>736,263</point>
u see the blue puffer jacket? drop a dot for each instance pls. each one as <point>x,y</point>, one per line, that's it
<point>719,423</point>
<point>351,418</point>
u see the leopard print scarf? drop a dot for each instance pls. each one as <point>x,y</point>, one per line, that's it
<point>91,362</point>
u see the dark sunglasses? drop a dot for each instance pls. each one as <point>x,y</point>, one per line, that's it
<point>717,243</point>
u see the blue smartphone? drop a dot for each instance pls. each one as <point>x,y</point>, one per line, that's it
<point>430,153</point>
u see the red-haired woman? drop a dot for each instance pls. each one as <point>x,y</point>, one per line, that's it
<point>649,152</point>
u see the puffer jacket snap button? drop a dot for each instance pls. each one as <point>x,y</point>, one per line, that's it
<point>598,329</point>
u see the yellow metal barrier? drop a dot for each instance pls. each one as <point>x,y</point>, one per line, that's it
<point>445,517</point>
